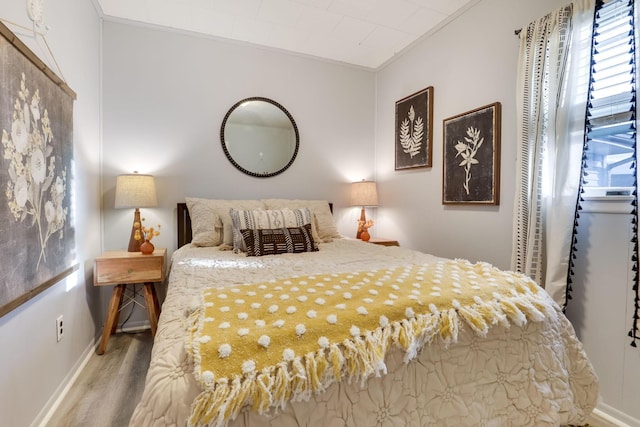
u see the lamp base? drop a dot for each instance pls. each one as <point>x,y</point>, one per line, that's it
<point>360,228</point>
<point>134,245</point>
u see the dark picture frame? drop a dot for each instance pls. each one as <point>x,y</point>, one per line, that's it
<point>414,130</point>
<point>36,175</point>
<point>471,157</point>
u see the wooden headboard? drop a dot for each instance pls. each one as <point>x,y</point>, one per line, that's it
<point>184,224</point>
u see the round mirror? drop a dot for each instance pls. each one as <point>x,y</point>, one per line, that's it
<point>259,137</point>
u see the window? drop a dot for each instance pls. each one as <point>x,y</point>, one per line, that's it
<point>611,111</point>
<point>609,156</point>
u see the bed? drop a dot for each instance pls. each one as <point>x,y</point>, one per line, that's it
<point>504,357</point>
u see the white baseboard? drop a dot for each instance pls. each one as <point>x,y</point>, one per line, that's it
<point>58,396</point>
<point>615,417</point>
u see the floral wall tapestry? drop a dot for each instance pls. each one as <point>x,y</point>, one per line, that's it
<point>37,247</point>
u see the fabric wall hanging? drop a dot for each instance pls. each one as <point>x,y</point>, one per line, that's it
<point>36,172</point>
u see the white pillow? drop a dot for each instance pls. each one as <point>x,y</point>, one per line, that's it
<point>261,219</point>
<point>327,231</point>
<point>210,220</point>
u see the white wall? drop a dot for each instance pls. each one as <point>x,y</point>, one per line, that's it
<point>470,63</point>
<point>166,94</point>
<point>33,366</point>
<point>602,306</point>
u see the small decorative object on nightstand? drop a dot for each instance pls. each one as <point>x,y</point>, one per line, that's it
<point>123,268</point>
<point>147,247</point>
<point>383,242</point>
<point>147,234</point>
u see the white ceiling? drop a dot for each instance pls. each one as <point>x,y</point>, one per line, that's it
<point>366,33</point>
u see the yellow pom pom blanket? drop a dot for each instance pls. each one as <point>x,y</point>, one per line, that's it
<point>268,343</point>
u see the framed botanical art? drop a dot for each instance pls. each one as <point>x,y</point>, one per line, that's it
<point>36,174</point>
<point>414,130</point>
<point>471,157</point>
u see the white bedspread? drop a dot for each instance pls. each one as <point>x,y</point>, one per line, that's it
<point>536,374</point>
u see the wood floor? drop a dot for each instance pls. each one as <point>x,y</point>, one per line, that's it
<point>110,386</point>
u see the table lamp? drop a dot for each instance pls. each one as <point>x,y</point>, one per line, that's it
<point>363,193</point>
<point>135,191</point>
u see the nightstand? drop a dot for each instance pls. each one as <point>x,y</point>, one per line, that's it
<point>383,242</point>
<point>122,268</point>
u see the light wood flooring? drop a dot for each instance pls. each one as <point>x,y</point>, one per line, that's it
<point>110,386</point>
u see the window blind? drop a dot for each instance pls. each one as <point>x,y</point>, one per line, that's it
<point>611,111</point>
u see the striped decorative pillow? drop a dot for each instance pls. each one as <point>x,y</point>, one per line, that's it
<point>288,240</point>
<point>262,219</point>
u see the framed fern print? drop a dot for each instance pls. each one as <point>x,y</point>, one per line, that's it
<point>414,130</point>
<point>471,157</point>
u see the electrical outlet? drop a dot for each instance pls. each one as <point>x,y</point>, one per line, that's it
<point>59,328</point>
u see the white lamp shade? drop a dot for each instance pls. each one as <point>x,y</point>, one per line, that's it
<point>135,191</point>
<point>364,193</point>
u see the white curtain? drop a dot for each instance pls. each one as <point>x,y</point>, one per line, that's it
<point>553,78</point>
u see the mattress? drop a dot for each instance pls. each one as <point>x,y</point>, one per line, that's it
<point>531,373</point>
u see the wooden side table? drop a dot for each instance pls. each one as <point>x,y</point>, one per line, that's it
<point>122,268</point>
<point>383,242</point>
